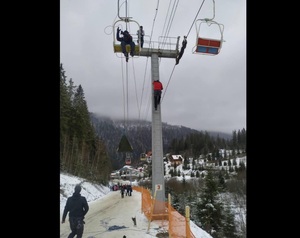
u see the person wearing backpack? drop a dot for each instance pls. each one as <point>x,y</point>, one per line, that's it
<point>77,207</point>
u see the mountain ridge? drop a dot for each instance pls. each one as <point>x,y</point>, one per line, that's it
<point>139,134</point>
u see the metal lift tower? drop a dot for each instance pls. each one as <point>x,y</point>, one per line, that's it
<point>158,182</point>
<point>165,47</point>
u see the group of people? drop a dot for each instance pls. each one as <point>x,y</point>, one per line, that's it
<point>125,189</point>
<point>126,39</point>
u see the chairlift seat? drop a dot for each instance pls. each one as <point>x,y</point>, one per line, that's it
<point>118,48</point>
<point>208,46</point>
<point>128,158</point>
<point>143,157</point>
<point>128,161</point>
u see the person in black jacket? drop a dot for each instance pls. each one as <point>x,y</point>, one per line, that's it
<point>77,207</point>
<point>126,40</point>
<point>141,34</point>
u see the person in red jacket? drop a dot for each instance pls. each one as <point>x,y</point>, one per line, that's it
<point>157,87</point>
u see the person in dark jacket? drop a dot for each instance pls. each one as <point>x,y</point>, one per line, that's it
<point>141,34</point>
<point>157,87</point>
<point>126,40</point>
<point>77,207</point>
<point>122,191</point>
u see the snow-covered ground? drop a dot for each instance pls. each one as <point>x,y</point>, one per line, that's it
<point>110,215</point>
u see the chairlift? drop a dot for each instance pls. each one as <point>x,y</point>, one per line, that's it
<point>128,157</point>
<point>143,157</point>
<point>117,44</point>
<point>206,45</point>
<point>123,23</point>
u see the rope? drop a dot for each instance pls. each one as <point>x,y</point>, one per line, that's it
<point>168,83</point>
<point>196,17</point>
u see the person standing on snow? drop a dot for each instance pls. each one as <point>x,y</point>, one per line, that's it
<point>122,191</point>
<point>77,207</point>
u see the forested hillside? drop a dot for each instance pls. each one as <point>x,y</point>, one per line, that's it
<point>138,134</point>
<point>176,139</point>
<point>82,153</point>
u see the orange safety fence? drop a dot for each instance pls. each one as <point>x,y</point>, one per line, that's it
<point>178,224</point>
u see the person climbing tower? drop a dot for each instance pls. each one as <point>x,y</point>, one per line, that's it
<point>157,87</point>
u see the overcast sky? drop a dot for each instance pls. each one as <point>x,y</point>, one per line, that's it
<point>202,92</point>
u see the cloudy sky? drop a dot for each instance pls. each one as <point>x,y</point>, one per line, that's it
<point>202,92</point>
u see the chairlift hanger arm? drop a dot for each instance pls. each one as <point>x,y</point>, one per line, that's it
<point>126,19</point>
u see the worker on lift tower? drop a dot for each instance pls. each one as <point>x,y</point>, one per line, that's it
<point>157,87</point>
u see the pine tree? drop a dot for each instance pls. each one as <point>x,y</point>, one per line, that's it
<point>185,163</point>
<point>82,153</point>
<point>209,208</point>
<point>228,228</point>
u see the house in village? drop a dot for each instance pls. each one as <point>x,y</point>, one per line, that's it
<point>146,156</point>
<point>175,160</point>
<point>127,172</point>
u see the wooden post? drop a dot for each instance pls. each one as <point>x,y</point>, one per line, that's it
<point>187,219</point>
<point>169,213</point>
